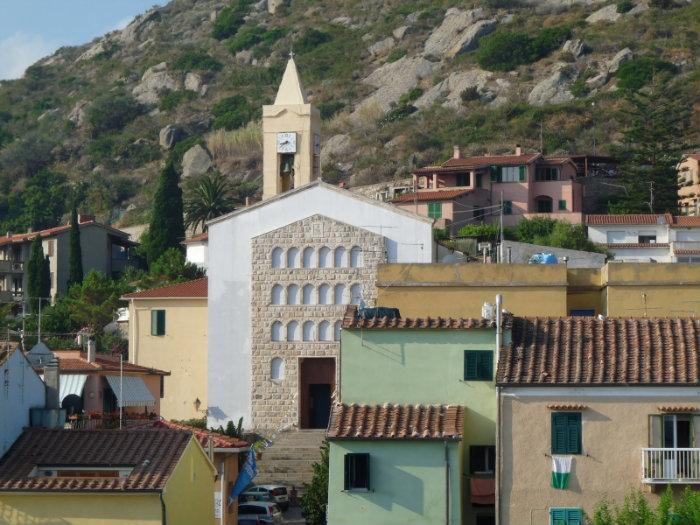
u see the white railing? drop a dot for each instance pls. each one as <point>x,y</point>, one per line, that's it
<point>671,465</point>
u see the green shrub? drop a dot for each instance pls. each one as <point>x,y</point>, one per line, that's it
<point>174,98</point>
<point>329,55</point>
<point>548,40</point>
<point>5,137</point>
<point>638,72</point>
<point>481,231</point>
<point>246,38</point>
<point>396,54</point>
<point>314,500</point>
<point>111,112</point>
<point>528,230</point>
<point>310,40</point>
<point>230,19</point>
<point>232,112</point>
<point>192,60</point>
<point>579,88</point>
<point>410,96</point>
<point>26,155</point>
<point>503,51</point>
<point>624,6</point>
<point>662,4</point>
<point>330,108</point>
<point>181,148</point>
<point>114,149</point>
<point>470,93</point>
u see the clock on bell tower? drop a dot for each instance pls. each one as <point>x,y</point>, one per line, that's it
<point>291,137</point>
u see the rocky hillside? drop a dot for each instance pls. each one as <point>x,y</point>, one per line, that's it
<point>398,83</point>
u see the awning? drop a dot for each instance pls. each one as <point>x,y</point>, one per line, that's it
<point>71,384</point>
<point>133,391</point>
<point>483,491</point>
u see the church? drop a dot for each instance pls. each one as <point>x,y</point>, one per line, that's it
<point>282,272</point>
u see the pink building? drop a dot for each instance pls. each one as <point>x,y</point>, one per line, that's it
<point>464,190</point>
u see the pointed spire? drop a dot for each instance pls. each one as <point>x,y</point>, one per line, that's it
<point>290,90</point>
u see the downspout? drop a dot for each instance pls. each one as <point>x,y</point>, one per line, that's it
<point>224,499</point>
<point>447,485</point>
<point>164,516</point>
<point>499,345</point>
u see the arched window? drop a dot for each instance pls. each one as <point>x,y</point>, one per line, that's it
<point>324,294</point>
<point>276,297</point>
<point>307,294</point>
<point>355,293</point>
<point>276,332</point>
<point>277,258</point>
<point>308,258</point>
<point>356,257</point>
<point>293,258</point>
<point>338,293</point>
<point>544,204</point>
<point>339,257</point>
<point>292,294</point>
<point>292,331</point>
<point>308,331</point>
<point>324,331</point>
<point>277,369</point>
<point>336,331</point>
<point>324,257</point>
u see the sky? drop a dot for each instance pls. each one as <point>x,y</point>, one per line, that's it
<point>32,29</point>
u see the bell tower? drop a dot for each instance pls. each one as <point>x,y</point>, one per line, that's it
<point>291,137</point>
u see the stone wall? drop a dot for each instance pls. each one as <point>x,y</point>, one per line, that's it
<point>275,402</point>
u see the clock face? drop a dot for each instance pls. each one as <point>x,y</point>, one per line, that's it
<point>286,143</point>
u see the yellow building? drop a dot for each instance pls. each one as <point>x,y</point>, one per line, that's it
<point>616,289</point>
<point>168,331</point>
<point>91,477</point>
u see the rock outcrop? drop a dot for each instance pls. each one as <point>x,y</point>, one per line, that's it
<point>575,47</point>
<point>450,90</point>
<point>382,47</point>
<point>620,58</point>
<point>153,83</point>
<point>195,161</point>
<point>335,146</point>
<point>555,88</point>
<point>194,82</point>
<point>139,27</point>
<point>460,31</point>
<point>169,135</point>
<point>77,114</point>
<point>605,14</point>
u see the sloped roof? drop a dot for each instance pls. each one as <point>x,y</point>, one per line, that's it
<point>75,364</point>
<point>480,161</point>
<point>573,351</point>
<point>50,232</point>
<point>396,422</point>
<point>435,195</point>
<point>353,321</point>
<point>197,238</point>
<point>204,436</point>
<point>632,219</point>
<point>153,454</point>
<point>197,288</point>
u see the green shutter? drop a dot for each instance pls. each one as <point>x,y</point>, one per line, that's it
<point>154,322</point>
<point>478,365</point>
<point>471,365</point>
<point>522,174</point>
<point>573,433</point>
<point>348,468</point>
<point>562,205</point>
<point>558,433</point>
<point>485,366</point>
<point>558,516</point>
<point>507,207</point>
<point>566,433</point>
<point>574,517</point>
<point>564,516</point>
<point>494,174</point>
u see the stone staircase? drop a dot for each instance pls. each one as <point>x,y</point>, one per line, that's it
<point>289,460</point>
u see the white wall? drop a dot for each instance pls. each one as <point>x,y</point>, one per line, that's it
<point>198,253</point>
<point>408,238</point>
<point>630,233</point>
<point>24,390</point>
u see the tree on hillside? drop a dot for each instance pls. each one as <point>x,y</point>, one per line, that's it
<point>167,228</point>
<point>657,122</point>
<point>75,261</point>
<point>38,275</point>
<point>206,198</point>
<point>92,303</point>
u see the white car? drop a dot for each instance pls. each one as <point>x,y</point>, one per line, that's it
<point>273,493</point>
<point>266,511</point>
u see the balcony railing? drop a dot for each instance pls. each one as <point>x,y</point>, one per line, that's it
<point>671,465</point>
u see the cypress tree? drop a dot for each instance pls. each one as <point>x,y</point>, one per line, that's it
<point>75,265</point>
<point>38,274</point>
<point>167,228</point>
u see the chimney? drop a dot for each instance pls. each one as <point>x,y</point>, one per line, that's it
<point>91,350</point>
<point>456,152</point>
<point>83,218</point>
<point>518,150</point>
<point>52,381</point>
<point>342,185</point>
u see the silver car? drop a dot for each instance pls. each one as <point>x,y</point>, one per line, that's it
<point>273,493</point>
<point>266,511</point>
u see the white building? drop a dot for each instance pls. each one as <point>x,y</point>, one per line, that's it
<point>281,272</point>
<point>647,237</point>
<point>197,250</point>
<point>22,390</point>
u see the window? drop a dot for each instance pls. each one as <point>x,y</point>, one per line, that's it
<point>544,204</point>
<point>276,296</point>
<point>324,256</point>
<point>292,294</point>
<point>508,173</point>
<point>276,331</point>
<point>561,516</point>
<point>672,430</point>
<point>162,387</point>
<point>646,238</point>
<point>482,459</point>
<point>307,294</point>
<point>478,180</point>
<point>546,173</point>
<point>157,322</point>
<point>339,257</point>
<point>356,294</point>
<point>462,179</point>
<point>308,258</point>
<point>356,472</point>
<point>324,294</point>
<point>507,207</point>
<point>338,294</point>
<point>293,258</point>
<point>615,237</point>
<point>356,257</point>
<point>584,312</point>
<point>336,331</point>
<point>308,331</point>
<point>566,433</point>
<point>277,258</point>
<point>478,365</point>
<point>562,205</point>
<point>435,210</point>
<point>277,369</point>
<point>293,331</point>
<point>324,329</point>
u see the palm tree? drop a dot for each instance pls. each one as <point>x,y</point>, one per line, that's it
<point>207,197</point>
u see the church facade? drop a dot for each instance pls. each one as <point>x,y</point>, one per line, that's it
<point>282,271</point>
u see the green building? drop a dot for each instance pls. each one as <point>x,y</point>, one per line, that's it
<point>412,436</point>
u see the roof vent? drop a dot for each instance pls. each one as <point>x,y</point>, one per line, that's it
<point>518,150</point>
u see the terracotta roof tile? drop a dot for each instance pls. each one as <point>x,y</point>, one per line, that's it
<point>678,409</point>
<point>353,321</point>
<point>153,454</point>
<point>101,364</point>
<point>613,351</point>
<point>635,218</point>
<point>564,406</point>
<point>686,221</point>
<point>203,436</point>
<point>198,238</point>
<point>400,422</point>
<point>24,237</point>
<point>190,289</point>
<point>621,245</point>
<point>481,161</point>
<point>434,195</point>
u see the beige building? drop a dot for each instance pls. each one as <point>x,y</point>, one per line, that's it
<point>616,397</point>
<point>689,185</point>
<point>168,331</point>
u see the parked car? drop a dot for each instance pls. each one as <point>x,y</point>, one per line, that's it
<point>266,511</point>
<point>274,493</point>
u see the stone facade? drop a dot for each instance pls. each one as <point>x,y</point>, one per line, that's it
<point>319,266</point>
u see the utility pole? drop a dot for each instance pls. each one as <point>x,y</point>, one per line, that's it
<point>500,220</point>
<point>541,138</point>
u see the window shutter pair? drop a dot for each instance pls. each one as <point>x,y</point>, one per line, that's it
<point>478,365</point>
<point>157,322</point>
<point>356,472</point>
<point>566,433</point>
<point>566,516</point>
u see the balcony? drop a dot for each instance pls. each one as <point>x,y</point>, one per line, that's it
<point>7,266</point>
<point>7,296</point>
<point>671,465</point>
